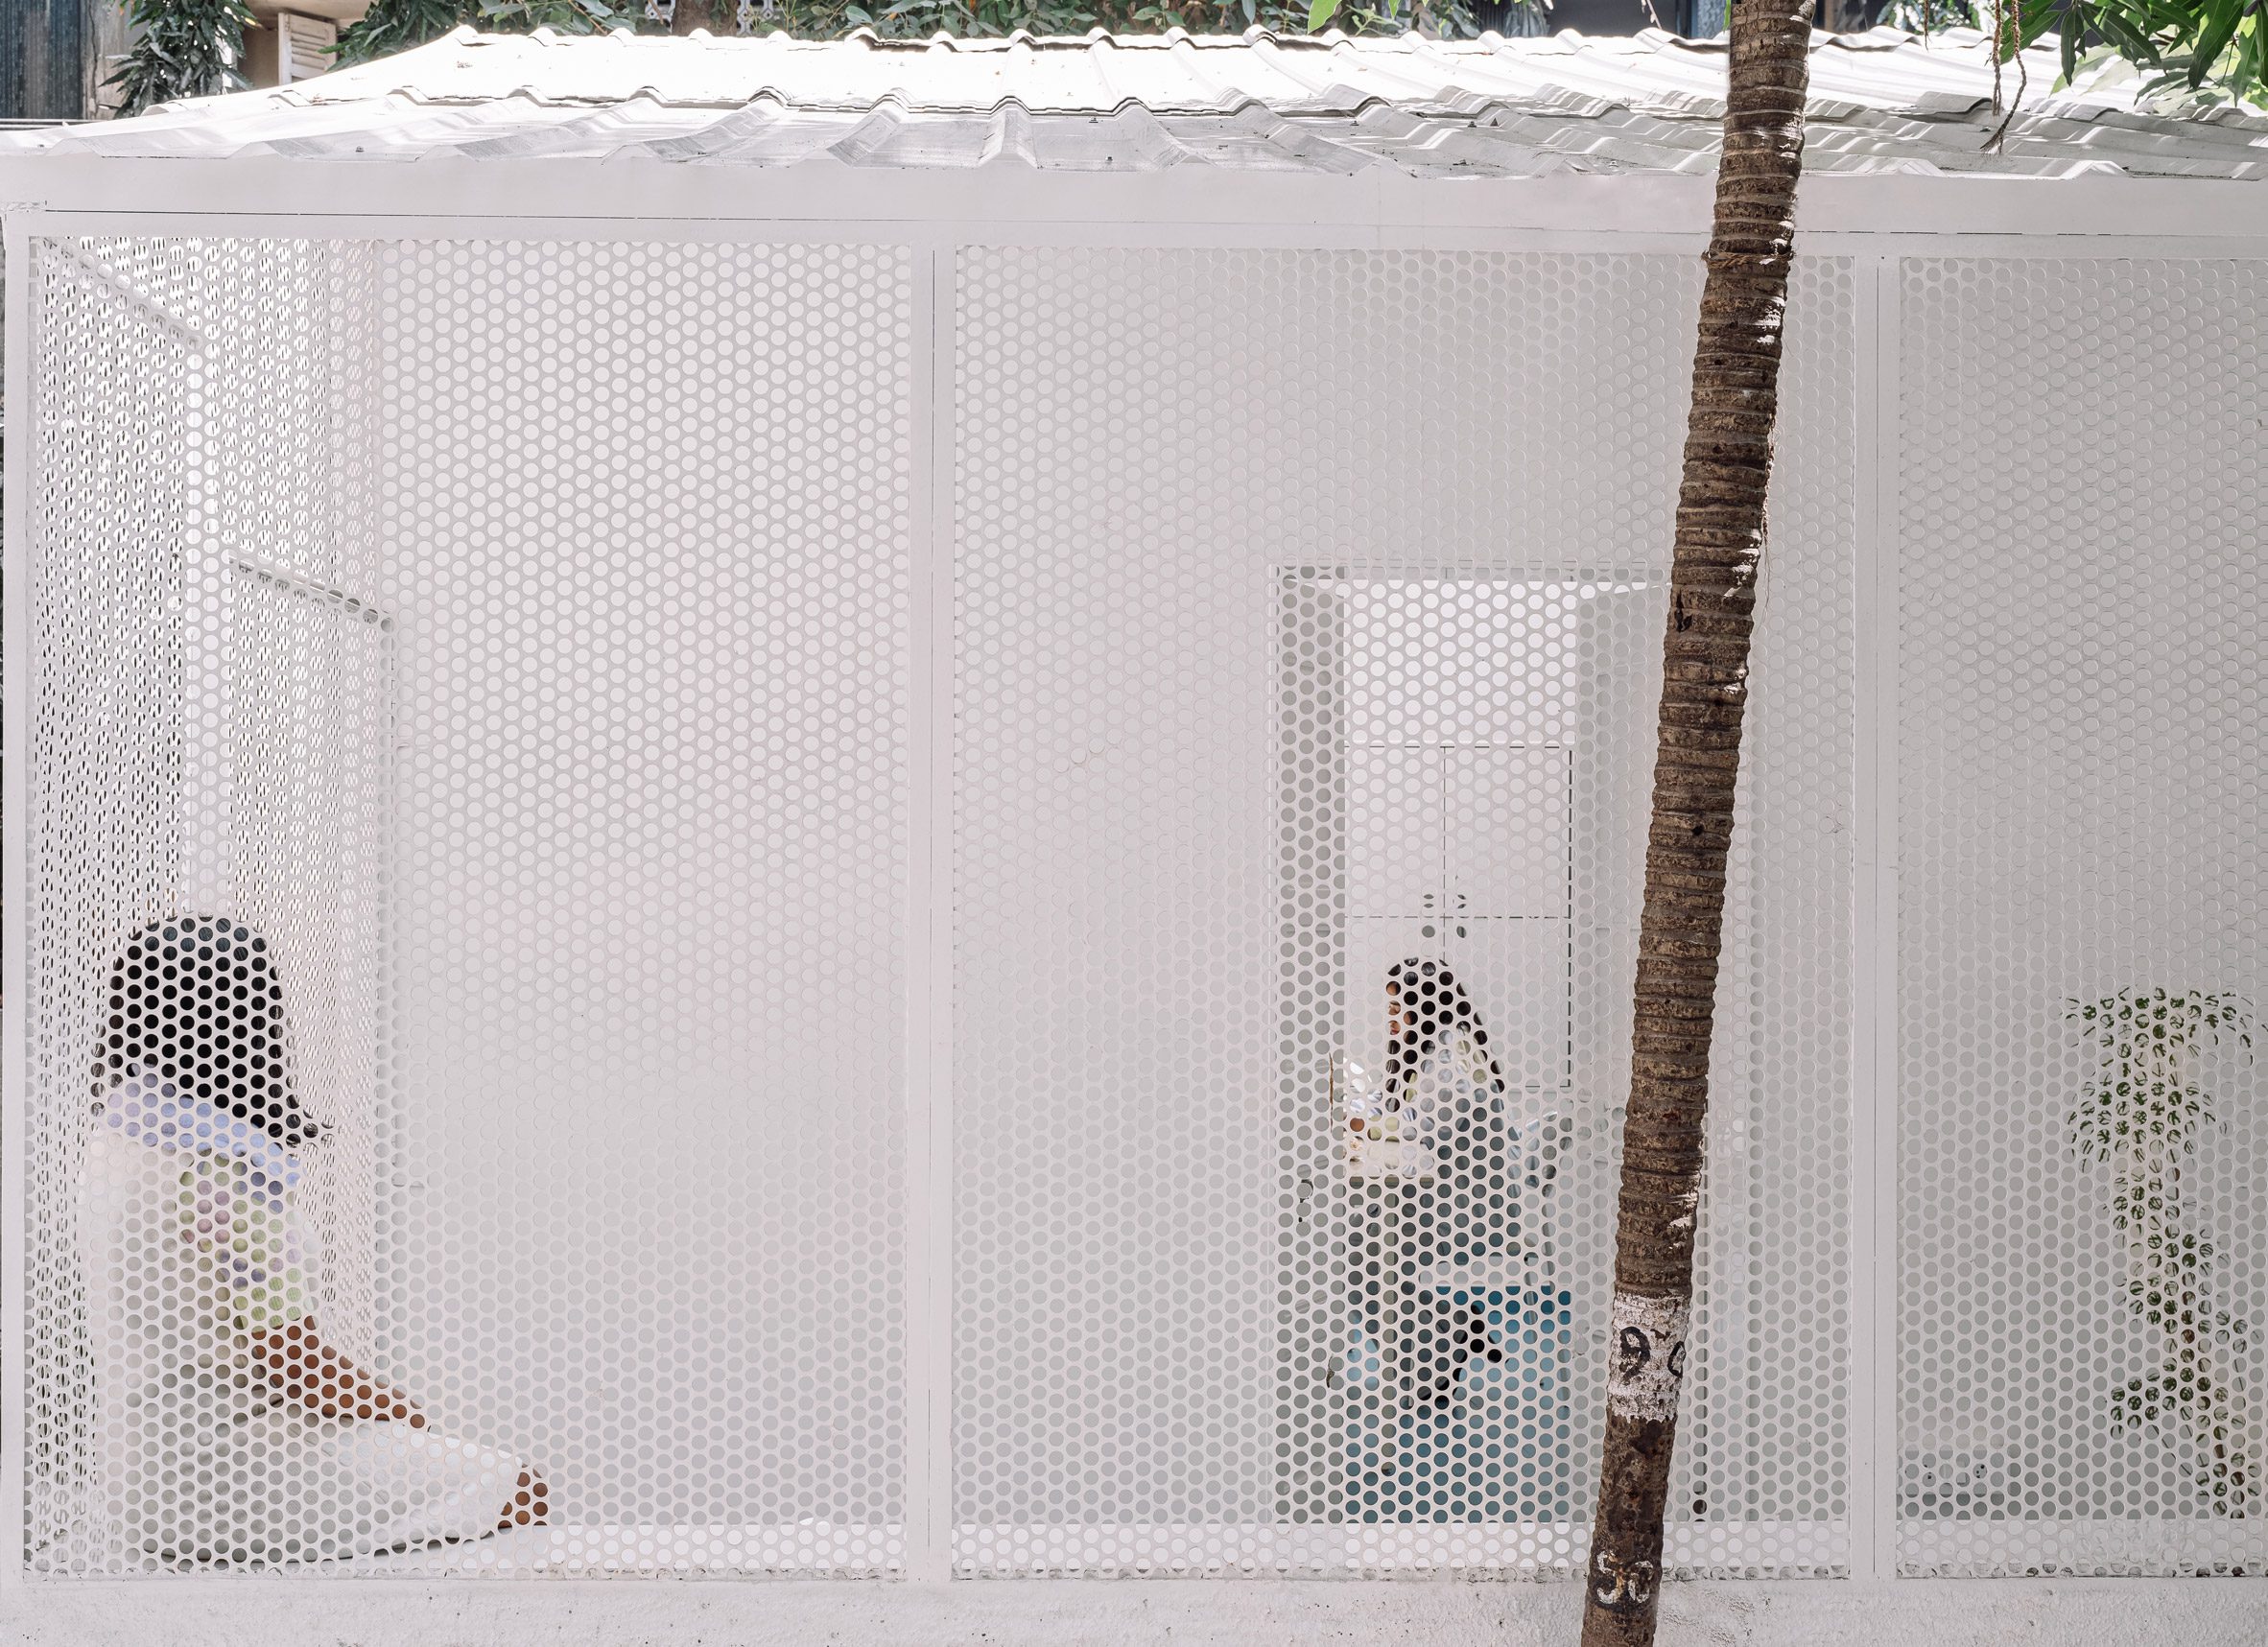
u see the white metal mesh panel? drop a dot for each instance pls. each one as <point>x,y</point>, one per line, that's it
<point>101,827</point>
<point>500,682</point>
<point>2081,1209</point>
<point>1307,623</point>
<point>1764,1440</point>
<point>499,685</point>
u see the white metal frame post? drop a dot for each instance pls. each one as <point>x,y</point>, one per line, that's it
<point>1873,1019</point>
<point>929,931</point>
<point>14,1109</point>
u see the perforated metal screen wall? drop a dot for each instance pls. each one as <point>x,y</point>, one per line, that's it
<point>1265,691</point>
<point>977,913</point>
<point>556,744</point>
<point>2081,1143</point>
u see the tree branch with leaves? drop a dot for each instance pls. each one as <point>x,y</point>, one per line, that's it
<point>2215,47</point>
<point>2188,48</point>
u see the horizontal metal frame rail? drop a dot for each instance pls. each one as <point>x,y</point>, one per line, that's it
<point>2240,231</point>
<point>1012,197</point>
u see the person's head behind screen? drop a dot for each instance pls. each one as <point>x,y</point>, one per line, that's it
<point>1427,1005</point>
<point>196,1000</point>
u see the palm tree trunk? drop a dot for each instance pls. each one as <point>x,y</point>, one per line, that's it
<point>1720,540</point>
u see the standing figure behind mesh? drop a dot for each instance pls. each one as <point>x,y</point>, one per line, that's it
<point>227,1429</point>
<point>1443,1094</point>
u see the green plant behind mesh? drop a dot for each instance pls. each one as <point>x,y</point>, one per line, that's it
<point>2141,1112</point>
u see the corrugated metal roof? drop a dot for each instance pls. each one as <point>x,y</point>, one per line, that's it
<point>1880,102</point>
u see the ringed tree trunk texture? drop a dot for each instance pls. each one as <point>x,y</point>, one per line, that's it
<point>1712,582</point>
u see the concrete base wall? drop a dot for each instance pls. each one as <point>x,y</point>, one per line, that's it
<point>2074,1613</point>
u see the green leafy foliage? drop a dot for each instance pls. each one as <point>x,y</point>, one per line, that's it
<point>919,19</point>
<point>395,25</point>
<point>2140,1113</point>
<point>2184,47</point>
<point>186,48</point>
<point>2142,1091</point>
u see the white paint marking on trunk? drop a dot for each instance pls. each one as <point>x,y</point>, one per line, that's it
<point>1649,1359</point>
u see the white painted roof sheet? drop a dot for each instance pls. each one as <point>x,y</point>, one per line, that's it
<point>1880,102</point>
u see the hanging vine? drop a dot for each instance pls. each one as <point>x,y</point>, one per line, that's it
<point>2140,1114</point>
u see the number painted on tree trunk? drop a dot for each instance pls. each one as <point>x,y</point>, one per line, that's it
<point>1649,1361</point>
<point>1615,1583</point>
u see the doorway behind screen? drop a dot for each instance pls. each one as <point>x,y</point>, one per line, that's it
<point>1457,773</point>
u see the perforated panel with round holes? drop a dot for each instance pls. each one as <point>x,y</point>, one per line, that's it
<point>524,674</point>
<point>518,676</point>
<point>2081,923</point>
<point>1305,654</point>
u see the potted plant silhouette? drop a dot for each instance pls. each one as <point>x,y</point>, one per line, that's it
<point>2140,1114</point>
